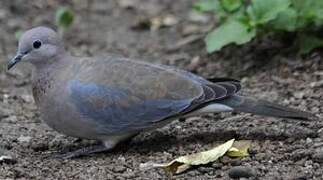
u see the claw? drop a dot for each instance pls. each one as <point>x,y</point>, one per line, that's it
<point>82,152</point>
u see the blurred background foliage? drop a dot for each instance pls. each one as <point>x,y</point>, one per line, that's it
<point>240,21</point>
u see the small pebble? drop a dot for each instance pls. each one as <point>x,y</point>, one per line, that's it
<point>317,84</point>
<point>198,17</point>
<point>119,169</point>
<point>318,155</point>
<point>127,3</point>
<point>241,172</point>
<point>309,140</point>
<point>23,139</point>
<point>7,160</point>
<point>170,20</point>
<point>10,119</point>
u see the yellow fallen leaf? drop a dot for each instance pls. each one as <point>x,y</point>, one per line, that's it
<point>183,163</point>
<point>206,156</point>
<point>239,149</point>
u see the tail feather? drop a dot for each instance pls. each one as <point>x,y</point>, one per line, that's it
<point>262,107</point>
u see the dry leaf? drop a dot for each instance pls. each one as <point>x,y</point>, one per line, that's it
<point>183,163</point>
<point>239,149</point>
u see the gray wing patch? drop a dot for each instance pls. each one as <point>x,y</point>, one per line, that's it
<point>116,110</point>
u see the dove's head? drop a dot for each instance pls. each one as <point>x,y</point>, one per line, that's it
<point>38,46</point>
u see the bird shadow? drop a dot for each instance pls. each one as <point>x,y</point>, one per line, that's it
<point>165,142</point>
<point>160,141</point>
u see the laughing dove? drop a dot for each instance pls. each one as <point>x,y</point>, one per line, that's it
<point>112,99</point>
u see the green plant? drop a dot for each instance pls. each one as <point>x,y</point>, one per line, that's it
<point>63,19</point>
<point>242,20</point>
<point>18,34</point>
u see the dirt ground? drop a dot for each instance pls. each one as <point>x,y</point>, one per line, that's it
<point>281,148</point>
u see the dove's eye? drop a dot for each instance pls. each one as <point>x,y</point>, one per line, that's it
<point>37,44</point>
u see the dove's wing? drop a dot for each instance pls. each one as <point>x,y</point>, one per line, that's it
<point>129,95</point>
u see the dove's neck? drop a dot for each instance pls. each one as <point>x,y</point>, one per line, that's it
<point>43,76</point>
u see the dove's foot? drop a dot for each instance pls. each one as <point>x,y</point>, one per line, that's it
<point>83,152</point>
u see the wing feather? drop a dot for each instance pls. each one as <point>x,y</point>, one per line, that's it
<point>129,94</point>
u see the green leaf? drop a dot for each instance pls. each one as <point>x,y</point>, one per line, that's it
<point>206,5</point>
<point>231,5</point>
<point>211,5</point>
<point>307,43</point>
<point>309,11</point>
<point>263,11</point>
<point>232,31</point>
<point>285,21</point>
<point>63,18</point>
<point>314,7</point>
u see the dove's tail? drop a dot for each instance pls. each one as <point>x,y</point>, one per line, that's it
<point>262,107</point>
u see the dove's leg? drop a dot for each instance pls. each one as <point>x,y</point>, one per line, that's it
<point>107,145</point>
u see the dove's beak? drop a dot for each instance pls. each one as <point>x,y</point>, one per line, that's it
<point>15,60</point>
